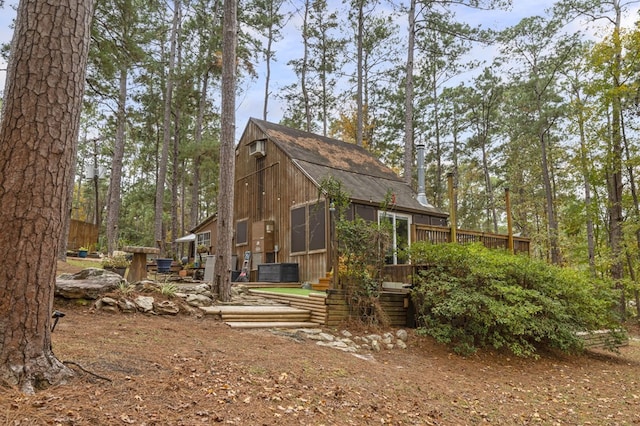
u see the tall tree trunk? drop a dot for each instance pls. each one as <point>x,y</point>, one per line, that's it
<point>39,129</point>
<point>305,67</point>
<point>636,208</point>
<point>584,164</point>
<point>614,173</point>
<point>408,97</point>
<point>267,59</point>
<point>195,187</point>
<point>552,222</point>
<point>175,156</point>
<point>437,181</point>
<point>62,250</point>
<point>323,84</point>
<point>222,273</point>
<point>491,205</point>
<point>175,179</point>
<point>166,139</point>
<point>115,180</point>
<point>359,82</point>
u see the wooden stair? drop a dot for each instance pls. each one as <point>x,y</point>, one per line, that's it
<point>314,302</point>
<point>324,283</point>
<point>261,316</point>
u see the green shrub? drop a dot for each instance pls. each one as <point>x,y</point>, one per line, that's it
<point>362,249</point>
<point>472,297</point>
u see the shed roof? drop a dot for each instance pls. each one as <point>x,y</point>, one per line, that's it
<point>362,175</point>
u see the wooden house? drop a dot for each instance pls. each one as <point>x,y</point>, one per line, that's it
<point>280,215</point>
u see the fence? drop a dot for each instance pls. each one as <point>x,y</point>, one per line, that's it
<point>82,234</point>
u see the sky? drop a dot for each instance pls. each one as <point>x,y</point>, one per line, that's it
<point>250,102</point>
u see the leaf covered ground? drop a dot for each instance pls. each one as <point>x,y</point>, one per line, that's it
<point>186,370</point>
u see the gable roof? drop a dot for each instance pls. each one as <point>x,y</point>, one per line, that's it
<point>363,176</point>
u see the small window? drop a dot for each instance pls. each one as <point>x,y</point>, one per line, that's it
<point>242,236</point>
<point>204,239</point>
<point>367,213</point>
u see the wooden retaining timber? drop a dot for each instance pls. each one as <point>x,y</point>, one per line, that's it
<point>261,316</point>
<point>332,308</point>
<point>270,324</point>
<point>329,308</point>
<point>314,303</point>
<point>264,284</point>
<point>395,305</point>
<point>601,339</point>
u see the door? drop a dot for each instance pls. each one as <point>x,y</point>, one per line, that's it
<point>400,236</point>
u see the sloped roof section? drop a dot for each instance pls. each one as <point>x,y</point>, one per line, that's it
<point>363,176</point>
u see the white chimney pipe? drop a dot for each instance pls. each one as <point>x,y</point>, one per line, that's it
<point>422,196</point>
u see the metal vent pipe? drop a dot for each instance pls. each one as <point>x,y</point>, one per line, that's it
<point>422,196</point>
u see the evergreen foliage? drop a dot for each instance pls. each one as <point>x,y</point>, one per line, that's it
<point>471,297</point>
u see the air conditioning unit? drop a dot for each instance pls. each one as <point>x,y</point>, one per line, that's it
<point>257,148</point>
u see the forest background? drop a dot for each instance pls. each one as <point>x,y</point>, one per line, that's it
<point>542,98</point>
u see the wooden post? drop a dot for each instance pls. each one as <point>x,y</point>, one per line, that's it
<point>452,208</point>
<point>509,224</point>
<point>334,245</point>
<point>138,267</point>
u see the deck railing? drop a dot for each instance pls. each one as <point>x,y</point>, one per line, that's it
<point>441,234</point>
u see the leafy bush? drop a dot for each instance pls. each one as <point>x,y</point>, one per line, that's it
<point>116,261</point>
<point>472,297</point>
<point>362,248</point>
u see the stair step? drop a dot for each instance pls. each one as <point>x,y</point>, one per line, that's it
<point>251,310</point>
<point>267,318</point>
<point>270,324</point>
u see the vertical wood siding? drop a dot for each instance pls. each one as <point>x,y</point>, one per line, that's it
<point>267,189</point>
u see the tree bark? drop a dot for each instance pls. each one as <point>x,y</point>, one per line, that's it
<point>166,139</point>
<point>305,67</point>
<point>115,181</point>
<point>408,98</point>
<point>614,173</point>
<point>222,272</point>
<point>359,82</point>
<point>38,140</point>
<point>195,186</point>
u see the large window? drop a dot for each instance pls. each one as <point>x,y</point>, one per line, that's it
<point>401,237</point>
<point>308,228</point>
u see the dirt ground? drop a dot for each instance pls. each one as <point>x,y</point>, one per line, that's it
<point>187,371</point>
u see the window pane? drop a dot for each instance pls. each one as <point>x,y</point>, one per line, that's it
<point>367,213</point>
<point>298,229</point>
<point>241,232</point>
<point>317,226</point>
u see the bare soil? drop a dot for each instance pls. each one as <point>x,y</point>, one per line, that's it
<point>189,370</point>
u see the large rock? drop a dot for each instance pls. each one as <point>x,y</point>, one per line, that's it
<point>87,284</point>
<point>166,307</point>
<point>144,303</point>
<point>198,300</point>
